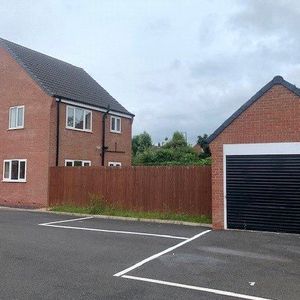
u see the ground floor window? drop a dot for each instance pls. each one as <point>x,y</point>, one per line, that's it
<point>14,170</point>
<point>77,163</point>
<point>114,164</point>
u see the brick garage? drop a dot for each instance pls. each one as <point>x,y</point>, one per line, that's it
<point>265,131</point>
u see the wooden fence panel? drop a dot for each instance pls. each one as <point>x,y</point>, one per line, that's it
<point>181,189</point>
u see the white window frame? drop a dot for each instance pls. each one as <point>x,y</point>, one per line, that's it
<point>82,162</point>
<point>85,111</point>
<point>23,117</point>
<point>10,164</point>
<point>254,149</point>
<point>114,130</point>
<point>114,164</point>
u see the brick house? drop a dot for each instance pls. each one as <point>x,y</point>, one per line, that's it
<point>256,163</point>
<point>53,114</point>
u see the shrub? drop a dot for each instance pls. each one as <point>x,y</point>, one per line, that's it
<point>98,204</point>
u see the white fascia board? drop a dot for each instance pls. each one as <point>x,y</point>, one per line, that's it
<point>261,148</point>
<point>111,112</point>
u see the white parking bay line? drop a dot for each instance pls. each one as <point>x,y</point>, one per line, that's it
<point>65,221</point>
<point>53,224</point>
<point>116,231</point>
<point>197,288</point>
<point>160,254</point>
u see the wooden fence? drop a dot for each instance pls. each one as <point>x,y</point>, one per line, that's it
<point>179,189</point>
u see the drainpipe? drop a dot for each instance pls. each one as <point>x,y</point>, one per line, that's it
<point>58,100</point>
<point>104,148</point>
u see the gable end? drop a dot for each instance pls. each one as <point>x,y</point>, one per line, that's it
<point>277,80</point>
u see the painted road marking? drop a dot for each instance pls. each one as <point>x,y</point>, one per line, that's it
<point>64,221</point>
<point>53,224</point>
<point>137,265</point>
<point>161,282</point>
<point>197,288</point>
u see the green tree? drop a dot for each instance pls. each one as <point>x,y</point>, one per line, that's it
<point>175,152</point>
<point>202,141</point>
<point>177,141</point>
<point>141,142</point>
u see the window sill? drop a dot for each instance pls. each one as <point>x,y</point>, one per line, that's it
<point>14,181</point>
<point>114,131</point>
<point>80,130</point>
<point>17,128</point>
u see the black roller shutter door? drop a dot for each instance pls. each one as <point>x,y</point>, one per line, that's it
<point>263,192</point>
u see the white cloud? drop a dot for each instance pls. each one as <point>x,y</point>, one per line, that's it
<point>178,65</point>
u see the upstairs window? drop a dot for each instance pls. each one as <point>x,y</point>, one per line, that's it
<point>77,163</point>
<point>115,124</point>
<point>79,118</point>
<point>16,117</point>
<point>14,170</point>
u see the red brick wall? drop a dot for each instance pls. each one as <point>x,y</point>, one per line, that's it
<point>275,117</point>
<point>32,142</point>
<point>80,145</point>
<point>119,142</point>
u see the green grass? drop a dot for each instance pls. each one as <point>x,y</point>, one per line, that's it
<point>101,208</point>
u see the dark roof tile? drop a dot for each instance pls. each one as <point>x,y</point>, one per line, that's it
<point>60,79</point>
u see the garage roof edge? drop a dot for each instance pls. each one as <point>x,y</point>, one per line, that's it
<point>275,81</point>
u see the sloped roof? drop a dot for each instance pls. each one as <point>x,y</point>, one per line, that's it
<point>275,81</point>
<point>60,79</point>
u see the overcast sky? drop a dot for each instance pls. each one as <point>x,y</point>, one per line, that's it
<point>177,65</point>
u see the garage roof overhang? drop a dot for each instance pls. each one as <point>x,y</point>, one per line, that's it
<point>275,81</point>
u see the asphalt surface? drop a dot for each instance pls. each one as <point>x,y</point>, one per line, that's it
<point>41,262</point>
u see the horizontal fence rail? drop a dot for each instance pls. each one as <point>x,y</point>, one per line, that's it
<point>178,189</point>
